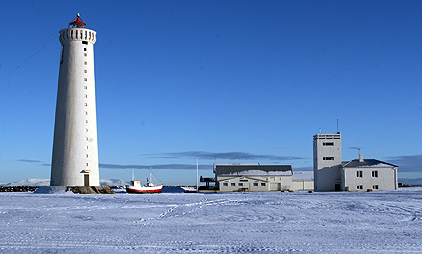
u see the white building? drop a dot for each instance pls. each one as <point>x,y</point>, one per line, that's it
<point>75,149</point>
<point>252,177</point>
<point>368,174</point>
<point>331,174</point>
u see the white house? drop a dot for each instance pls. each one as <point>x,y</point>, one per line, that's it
<point>368,174</point>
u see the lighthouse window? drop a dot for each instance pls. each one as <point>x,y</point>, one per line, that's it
<point>86,95</point>
<point>85,79</point>
<point>86,104</point>
<point>85,42</point>
<point>86,147</point>
<point>86,138</point>
<point>84,49</point>
<point>87,155</point>
<point>85,71</point>
<point>85,54</point>
<point>61,55</point>
<point>85,87</point>
<point>86,130</point>
<point>85,63</point>
<point>86,113</point>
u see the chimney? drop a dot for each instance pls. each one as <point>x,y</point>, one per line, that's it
<point>360,157</point>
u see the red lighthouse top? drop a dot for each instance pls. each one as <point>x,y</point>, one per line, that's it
<point>77,22</point>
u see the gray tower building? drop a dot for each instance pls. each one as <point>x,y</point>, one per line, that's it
<point>327,162</point>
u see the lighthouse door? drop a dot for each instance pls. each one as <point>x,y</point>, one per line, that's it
<point>86,180</point>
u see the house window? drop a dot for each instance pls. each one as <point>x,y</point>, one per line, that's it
<point>328,144</point>
<point>359,173</point>
<point>232,184</point>
<point>328,158</point>
<point>255,184</point>
<point>375,173</point>
<point>262,184</point>
<point>359,187</point>
<point>240,184</point>
<point>375,187</point>
<point>225,184</point>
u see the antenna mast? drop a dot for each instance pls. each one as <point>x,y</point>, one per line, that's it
<point>337,125</point>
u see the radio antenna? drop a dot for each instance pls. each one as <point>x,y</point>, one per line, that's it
<point>337,125</point>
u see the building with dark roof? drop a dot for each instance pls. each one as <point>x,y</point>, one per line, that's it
<point>368,174</point>
<point>252,177</point>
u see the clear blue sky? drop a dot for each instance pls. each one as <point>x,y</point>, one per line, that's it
<point>225,81</point>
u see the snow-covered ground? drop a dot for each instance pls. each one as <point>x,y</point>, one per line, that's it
<point>266,222</point>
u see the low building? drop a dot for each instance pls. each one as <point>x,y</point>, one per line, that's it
<point>252,177</point>
<point>303,180</point>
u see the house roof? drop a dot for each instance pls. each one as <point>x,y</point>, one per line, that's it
<point>253,170</point>
<point>367,163</point>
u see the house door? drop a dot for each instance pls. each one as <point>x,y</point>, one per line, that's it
<point>337,187</point>
<point>86,180</point>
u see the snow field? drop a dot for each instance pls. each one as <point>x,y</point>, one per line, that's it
<point>265,222</point>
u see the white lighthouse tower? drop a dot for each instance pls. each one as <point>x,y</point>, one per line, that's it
<point>75,149</point>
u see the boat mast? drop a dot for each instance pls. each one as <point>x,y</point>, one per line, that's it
<point>150,179</point>
<point>197,190</point>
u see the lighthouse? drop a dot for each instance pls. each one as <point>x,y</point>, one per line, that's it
<point>75,145</point>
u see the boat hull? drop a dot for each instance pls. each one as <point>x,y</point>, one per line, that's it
<point>144,189</point>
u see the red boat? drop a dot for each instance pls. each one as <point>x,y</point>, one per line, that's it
<point>136,187</point>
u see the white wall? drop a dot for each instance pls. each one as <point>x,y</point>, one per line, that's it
<point>271,183</point>
<point>386,180</point>
<point>302,185</point>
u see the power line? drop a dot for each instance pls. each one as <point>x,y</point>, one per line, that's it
<point>29,58</point>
